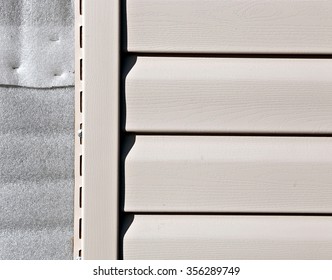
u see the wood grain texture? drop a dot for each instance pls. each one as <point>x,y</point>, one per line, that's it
<point>230,26</point>
<point>222,95</point>
<point>228,237</point>
<point>229,174</point>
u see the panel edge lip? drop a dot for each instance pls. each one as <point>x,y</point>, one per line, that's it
<point>247,55</point>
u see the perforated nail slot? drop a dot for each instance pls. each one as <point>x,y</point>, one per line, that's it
<point>80,165</point>
<point>81,101</point>
<point>81,69</point>
<point>80,229</point>
<point>80,198</point>
<point>81,36</point>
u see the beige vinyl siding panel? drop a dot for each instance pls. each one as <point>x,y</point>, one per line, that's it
<point>230,26</point>
<point>228,237</point>
<point>229,174</point>
<point>223,95</point>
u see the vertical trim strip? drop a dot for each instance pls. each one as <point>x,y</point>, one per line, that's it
<point>78,123</point>
<point>100,151</point>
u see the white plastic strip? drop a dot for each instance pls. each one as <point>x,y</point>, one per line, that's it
<point>97,64</point>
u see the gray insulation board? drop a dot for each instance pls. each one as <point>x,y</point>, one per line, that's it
<point>36,129</point>
<point>37,43</point>
<point>36,173</point>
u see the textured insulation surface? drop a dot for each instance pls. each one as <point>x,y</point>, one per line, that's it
<point>36,129</point>
<point>36,173</point>
<point>37,43</point>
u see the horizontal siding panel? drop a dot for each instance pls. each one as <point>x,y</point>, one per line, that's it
<point>223,95</point>
<point>228,237</point>
<point>232,26</point>
<point>229,174</point>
